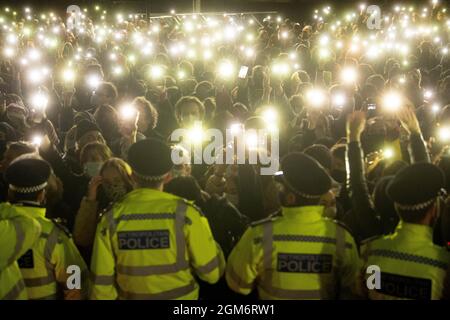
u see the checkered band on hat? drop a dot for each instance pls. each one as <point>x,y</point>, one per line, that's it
<point>299,193</point>
<point>28,189</point>
<point>415,207</point>
<point>149,178</point>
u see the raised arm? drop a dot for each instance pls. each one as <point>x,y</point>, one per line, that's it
<point>365,221</point>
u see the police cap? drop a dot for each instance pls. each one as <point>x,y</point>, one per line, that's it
<point>150,159</point>
<point>416,186</point>
<point>28,174</point>
<point>304,176</point>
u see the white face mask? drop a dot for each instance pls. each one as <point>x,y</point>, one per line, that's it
<point>92,169</point>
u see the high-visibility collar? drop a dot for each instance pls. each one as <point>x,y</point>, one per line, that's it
<point>149,193</point>
<point>415,231</point>
<point>35,212</point>
<point>307,213</point>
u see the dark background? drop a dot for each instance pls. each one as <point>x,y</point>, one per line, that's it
<point>288,8</point>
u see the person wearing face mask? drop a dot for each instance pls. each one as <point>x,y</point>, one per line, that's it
<point>112,183</point>
<point>92,156</point>
<point>411,266</point>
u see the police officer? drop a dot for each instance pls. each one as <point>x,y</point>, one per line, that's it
<point>297,254</point>
<point>18,233</point>
<point>45,265</point>
<point>411,266</point>
<point>150,245</point>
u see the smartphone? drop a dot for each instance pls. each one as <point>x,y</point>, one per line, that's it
<point>243,72</point>
<point>371,107</point>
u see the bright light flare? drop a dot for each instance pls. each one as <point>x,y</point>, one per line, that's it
<point>39,101</point>
<point>226,69</point>
<point>316,97</point>
<point>156,72</point>
<point>128,112</point>
<point>196,135</point>
<point>68,75</point>
<point>36,141</point>
<point>392,101</point>
<point>339,99</point>
<point>444,134</point>
<point>93,81</point>
<point>281,69</point>
<point>388,153</point>
<point>349,75</point>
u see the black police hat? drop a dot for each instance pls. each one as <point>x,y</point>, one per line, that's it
<point>28,174</point>
<point>304,176</point>
<point>416,186</point>
<point>150,159</point>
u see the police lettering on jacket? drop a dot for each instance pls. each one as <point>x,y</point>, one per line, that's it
<point>304,263</point>
<point>150,239</point>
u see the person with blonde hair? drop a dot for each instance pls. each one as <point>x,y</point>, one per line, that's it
<point>113,182</point>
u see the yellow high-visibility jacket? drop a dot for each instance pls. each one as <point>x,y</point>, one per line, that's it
<point>411,266</point>
<point>45,267</point>
<point>18,232</point>
<point>297,255</point>
<point>149,245</point>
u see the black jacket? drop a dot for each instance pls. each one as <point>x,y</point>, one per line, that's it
<point>364,221</point>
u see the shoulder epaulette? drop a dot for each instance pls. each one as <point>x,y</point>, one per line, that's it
<point>59,224</point>
<point>106,209</point>
<point>197,208</point>
<point>273,217</point>
<point>343,225</point>
<point>368,240</point>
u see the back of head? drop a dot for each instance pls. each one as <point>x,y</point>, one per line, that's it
<point>184,187</point>
<point>321,154</point>
<point>415,189</point>
<point>27,177</point>
<point>151,161</point>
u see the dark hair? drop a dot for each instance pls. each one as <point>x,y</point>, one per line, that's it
<point>109,89</point>
<point>21,147</point>
<point>415,216</point>
<point>322,154</point>
<point>185,187</point>
<point>14,196</point>
<point>146,106</point>
<point>108,121</point>
<point>384,206</point>
<point>203,90</point>
<point>338,151</point>
<point>394,167</point>
<point>189,99</point>
<point>187,86</point>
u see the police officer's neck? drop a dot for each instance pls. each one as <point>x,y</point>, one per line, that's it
<point>159,187</point>
<point>28,203</point>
